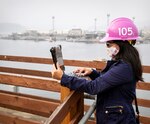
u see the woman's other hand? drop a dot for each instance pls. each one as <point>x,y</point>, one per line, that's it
<point>83,71</point>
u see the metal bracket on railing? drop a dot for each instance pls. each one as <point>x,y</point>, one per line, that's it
<point>88,113</point>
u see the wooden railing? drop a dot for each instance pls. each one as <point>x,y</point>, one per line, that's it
<point>68,109</point>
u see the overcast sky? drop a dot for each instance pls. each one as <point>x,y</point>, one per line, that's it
<point>37,14</point>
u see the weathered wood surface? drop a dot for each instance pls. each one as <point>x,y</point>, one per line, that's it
<point>143,86</point>
<point>30,82</point>
<point>6,118</point>
<point>28,104</point>
<point>25,72</point>
<point>144,119</point>
<point>93,64</point>
<point>59,114</point>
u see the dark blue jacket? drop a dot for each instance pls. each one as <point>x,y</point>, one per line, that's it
<point>115,90</point>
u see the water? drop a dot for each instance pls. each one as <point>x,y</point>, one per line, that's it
<point>71,50</point>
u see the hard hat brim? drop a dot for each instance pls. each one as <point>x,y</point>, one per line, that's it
<point>105,39</point>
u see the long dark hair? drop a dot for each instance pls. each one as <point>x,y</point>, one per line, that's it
<point>131,55</point>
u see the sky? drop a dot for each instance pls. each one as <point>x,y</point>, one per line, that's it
<point>37,14</point>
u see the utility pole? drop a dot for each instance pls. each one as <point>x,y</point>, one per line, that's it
<point>95,21</point>
<point>53,24</point>
<point>108,15</point>
<point>133,19</point>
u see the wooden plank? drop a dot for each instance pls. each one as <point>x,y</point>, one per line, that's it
<point>77,111</point>
<point>91,64</point>
<point>75,120</point>
<point>26,59</point>
<point>43,84</point>
<point>144,119</point>
<point>31,96</point>
<point>6,118</point>
<point>64,94</point>
<point>146,69</point>
<point>25,72</point>
<point>62,110</point>
<point>143,102</point>
<point>143,86</point>
<point>25,104</point>
<point>91,122</point>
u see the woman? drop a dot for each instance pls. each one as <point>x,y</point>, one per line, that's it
<point>115,85</point>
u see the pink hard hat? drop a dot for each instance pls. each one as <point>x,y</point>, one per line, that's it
<point>121,29</point>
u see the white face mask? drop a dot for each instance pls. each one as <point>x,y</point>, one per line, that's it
<point>112,51</point>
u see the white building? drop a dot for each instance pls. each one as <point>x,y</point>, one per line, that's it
<point>75,32</point>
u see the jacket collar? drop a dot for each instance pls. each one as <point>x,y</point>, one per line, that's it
<point>111,63</point>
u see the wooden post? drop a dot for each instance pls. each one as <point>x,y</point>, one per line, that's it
<point>76,110</point>
<point>64,93</point>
